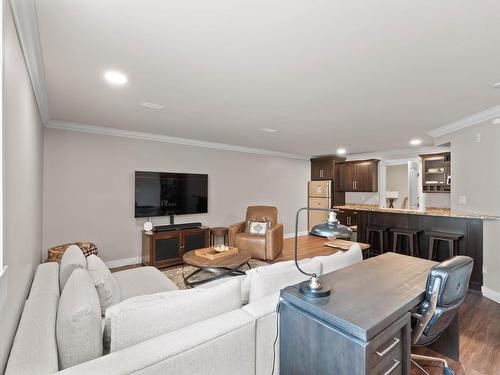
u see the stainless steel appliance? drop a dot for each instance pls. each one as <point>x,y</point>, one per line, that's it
<point>320,195</point>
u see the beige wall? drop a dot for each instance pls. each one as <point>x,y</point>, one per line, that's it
<point>474,171</point>
<point>397,180</point>
<point>23,184</point>
<point>89,187</point>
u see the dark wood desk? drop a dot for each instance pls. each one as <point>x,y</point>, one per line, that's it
<point>366,313</point>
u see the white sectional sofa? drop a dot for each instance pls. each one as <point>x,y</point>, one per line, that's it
<point>233,334</point>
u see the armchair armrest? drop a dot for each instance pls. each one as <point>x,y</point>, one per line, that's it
<point>234,230</point>
<point>274,241</point>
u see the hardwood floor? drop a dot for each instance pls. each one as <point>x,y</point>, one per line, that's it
<point>479,321</point>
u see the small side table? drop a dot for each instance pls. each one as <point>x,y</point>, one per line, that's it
<point>219,232</point>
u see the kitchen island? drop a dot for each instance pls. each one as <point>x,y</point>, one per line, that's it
<point>468,224</point>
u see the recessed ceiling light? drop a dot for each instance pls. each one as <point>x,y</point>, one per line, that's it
<point>497,85</point>
<point>115,78</point>
<point>415,142</point>
<point>341,151</point>
<point>152,105</point>
<point>268,130</point>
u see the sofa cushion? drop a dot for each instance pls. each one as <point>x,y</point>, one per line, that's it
<point>46,280</point>
<point>340,259</point>
<point>79,327</point>
<point>271,279</point>
<point>143,280</point>
<point>71,260</point>
<point>34,350</point>
<point>141,318</point>
<point>105,284</point>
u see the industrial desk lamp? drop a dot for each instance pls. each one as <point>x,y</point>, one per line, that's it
<point>313,287</point>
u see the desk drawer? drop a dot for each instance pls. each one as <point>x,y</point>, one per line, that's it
<point>389,347</point>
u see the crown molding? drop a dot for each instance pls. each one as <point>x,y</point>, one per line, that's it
<point>398,155</point>
<point>26,22</point>
<point>102,130</point>
<point>476,118</point>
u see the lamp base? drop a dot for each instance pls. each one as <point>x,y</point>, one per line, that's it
<point>306,290</point>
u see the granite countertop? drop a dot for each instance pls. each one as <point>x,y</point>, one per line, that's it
<point>444,212</point>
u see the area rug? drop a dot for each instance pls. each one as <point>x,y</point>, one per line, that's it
<point>175,273</point>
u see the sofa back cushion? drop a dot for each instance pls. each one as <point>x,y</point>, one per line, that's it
<point>105,284</point>
<point>79,325</point>
<point>71,260</point>
<point>34,350</point>
<point>144,317</point>
<point>340,259</point>
<point>46,280</point>
<point>270,279</point>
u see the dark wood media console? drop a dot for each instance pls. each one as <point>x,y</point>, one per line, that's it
<point>166,248</point>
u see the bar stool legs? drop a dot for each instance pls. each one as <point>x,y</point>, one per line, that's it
<point>412,238</point>
<point>451,240</point>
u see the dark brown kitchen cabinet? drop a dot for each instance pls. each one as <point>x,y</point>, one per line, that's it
<point>324,167</point>
<point>359,175</point>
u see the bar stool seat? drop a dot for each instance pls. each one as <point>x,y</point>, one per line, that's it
<point>411,235</point>
<point>450,238</point>
<point>381,231</point>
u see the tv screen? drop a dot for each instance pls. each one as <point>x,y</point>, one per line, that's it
<point>164,194</point>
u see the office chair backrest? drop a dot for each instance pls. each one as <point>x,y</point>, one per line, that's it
<point>447,286</point>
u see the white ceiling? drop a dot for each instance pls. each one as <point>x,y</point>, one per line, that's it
<point>364,75</point>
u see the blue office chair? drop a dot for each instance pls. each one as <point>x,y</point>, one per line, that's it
<point>446,289</point>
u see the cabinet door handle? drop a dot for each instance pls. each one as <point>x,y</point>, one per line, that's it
<point>389,348</point>
<point>393,367</point>
<point>353,185</point>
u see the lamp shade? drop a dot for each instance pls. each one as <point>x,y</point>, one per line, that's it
<point>332,228</point>
<point>392,194</point>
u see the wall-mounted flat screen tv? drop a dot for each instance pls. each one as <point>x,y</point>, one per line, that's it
<point>165,194</point>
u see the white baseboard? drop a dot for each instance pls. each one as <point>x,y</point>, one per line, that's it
<point>491,294</point>
<point>123,262</point>
<point>291,235</point>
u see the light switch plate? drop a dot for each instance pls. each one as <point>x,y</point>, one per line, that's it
<point>462,199</point>
<point>477,138</point>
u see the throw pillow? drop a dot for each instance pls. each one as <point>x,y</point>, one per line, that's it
<point>78,326</point>
<point>257,227</point>
<point>71,260</point>
<point>144,317</point>
<point>105,284</point>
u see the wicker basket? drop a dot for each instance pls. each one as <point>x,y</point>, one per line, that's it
<point>56,252</point>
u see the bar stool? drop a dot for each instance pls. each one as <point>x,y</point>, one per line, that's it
<point>381,231</point>
<point>450,238</point>
<point>411,235</point>
<point>218,232</point>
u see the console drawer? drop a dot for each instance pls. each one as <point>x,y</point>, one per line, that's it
<point>390,346</point>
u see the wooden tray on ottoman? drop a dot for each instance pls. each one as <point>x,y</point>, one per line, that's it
<point>210,253</point>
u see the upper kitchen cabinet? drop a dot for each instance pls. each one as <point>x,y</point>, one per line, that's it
<point>324,167</point>
<point>358,175</point>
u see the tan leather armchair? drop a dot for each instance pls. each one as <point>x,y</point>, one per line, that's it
<point>265,247</point>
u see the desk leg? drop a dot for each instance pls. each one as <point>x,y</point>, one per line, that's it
<point>449,342</point>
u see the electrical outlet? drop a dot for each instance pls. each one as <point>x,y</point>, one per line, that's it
<point>462,200</point>
<point>477,138</point>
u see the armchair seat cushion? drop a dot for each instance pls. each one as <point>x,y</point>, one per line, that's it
<point>143,280</point>
<point>254,243</point>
